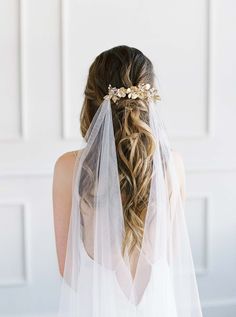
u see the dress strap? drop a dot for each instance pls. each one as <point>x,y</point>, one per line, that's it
<point>75,153</point>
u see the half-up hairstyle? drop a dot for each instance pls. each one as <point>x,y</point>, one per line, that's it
<point>124,66</point>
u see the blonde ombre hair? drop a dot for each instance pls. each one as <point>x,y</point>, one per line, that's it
<point>125,66</point>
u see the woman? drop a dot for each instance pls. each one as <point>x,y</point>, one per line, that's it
<point>121,236</point>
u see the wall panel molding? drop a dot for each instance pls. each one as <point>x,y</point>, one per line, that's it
<point>201,218</point>
<point>23,209</point>
<point>21,120</point>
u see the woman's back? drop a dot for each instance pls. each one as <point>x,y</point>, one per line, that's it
<point>153,292</point>
<point>62,196</point>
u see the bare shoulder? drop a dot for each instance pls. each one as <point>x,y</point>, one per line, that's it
<point>66,159</point>
<point>180,169</point>
<point>64,166</point>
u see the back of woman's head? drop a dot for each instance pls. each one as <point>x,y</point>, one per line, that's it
<point>124,66</point>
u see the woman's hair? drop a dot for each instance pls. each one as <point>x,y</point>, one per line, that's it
<point>125,66</point>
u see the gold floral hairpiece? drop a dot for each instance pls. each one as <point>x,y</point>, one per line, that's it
<point>142,91</point>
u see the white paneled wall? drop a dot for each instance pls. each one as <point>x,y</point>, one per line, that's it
<point>46,48</point>
<point>10,88</point>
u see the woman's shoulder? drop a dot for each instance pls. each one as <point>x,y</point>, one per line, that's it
<point>67,158</point>
<point>64,165</point>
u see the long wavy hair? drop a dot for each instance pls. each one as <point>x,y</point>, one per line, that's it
<point>125,66</point>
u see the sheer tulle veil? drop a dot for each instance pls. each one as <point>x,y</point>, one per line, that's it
<point>164,283</point>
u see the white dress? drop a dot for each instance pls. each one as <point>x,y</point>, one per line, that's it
<point>152,301</point>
